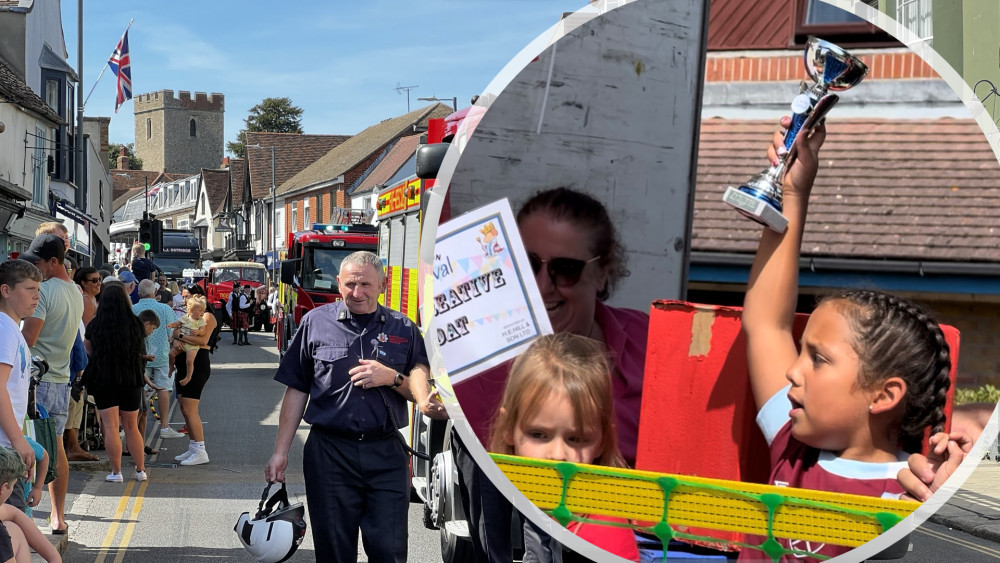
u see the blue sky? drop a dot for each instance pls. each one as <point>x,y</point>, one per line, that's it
<point>339,61</point>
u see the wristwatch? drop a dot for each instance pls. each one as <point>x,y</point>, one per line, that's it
<point>398,381</point>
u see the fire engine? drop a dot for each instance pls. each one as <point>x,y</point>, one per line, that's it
<point>309,270</point>
<point>218,283</point>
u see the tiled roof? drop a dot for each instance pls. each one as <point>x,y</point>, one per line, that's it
<point>899,189</point>
<point>216,187</point>
<point>124,197</point>
<point>128,183</point>
<point>13,89</point>
<point>353,151</point>
<point>125,180</point>
<point>397,157</point>
<point>293,152</point>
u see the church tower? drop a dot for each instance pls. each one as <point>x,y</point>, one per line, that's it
<point>179,134</point>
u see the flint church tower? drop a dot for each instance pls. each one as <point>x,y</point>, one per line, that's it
<point>179,134</point>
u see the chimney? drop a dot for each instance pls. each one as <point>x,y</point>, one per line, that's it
<point>123,159</point>
<point>225,162</point>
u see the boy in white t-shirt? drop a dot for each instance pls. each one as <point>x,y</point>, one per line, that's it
<point>19,293</point>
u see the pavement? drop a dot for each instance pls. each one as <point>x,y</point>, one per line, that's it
<point>79,472</point>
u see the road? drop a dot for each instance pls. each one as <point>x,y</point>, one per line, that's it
<point>932,543</point>
<point>189,512</point>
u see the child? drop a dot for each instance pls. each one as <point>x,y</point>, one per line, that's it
<point>191,324</point>
<point>558,405</point>
<point>19,534</point>
<point>33,494</point>
<point>871,377</point>
<point>19,293</point>
<point>150,322</point>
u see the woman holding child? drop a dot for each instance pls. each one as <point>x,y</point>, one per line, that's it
<point>190,384</point>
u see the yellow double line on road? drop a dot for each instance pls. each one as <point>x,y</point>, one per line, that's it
<point>133,516</point>
<point>993,553</point>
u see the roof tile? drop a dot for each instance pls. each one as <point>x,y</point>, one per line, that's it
<point>355,150</point>
<point>293,152</point>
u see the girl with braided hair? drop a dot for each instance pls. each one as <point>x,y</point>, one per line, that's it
<point>844,412</point>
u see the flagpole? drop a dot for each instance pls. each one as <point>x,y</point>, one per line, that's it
<point>105,66</point>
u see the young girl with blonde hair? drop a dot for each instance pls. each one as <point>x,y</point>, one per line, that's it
<point>558,405</point>
<point>843,412</point>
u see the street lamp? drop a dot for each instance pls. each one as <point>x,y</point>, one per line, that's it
<point>454,101</point>
<point>274,209</point>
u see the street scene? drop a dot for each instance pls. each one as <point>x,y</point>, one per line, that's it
<point>637,280</point>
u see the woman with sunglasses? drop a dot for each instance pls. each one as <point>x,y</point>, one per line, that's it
<point>578,261</point>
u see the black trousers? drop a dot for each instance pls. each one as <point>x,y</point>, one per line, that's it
<point>352,485</point>
<point>488,511</point>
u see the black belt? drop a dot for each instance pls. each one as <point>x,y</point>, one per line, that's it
<point>356,436</point>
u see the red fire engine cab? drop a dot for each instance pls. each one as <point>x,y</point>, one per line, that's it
<point>309,270</point>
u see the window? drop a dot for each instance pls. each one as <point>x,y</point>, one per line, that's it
<point>100,200</point>
<point>39,166</point>
<point>294,223</point>
<point>279,230</point>
<point>204,198</point>
<point>168,223</point>
<point>816,17</point>
<point>149,128</point>
<point>305,215</point>
<point>182,223</point>
<point>915,15</point>
<point>52,94</point>
<point>193,127</point>
<point>366,202</point>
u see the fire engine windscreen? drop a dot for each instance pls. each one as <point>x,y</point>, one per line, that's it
<point>232,273</point>
<point>320,268</point>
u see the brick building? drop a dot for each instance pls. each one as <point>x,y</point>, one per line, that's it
<point>906,198</point>
<point>179,134</point>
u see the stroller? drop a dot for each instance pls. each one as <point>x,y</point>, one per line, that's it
<point>91,436</point>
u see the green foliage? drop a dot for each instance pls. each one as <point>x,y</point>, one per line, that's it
<point>114,149</point>
<point>983,394</point>
<point>273,115</point>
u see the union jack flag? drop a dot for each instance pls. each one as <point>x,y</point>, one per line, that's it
<point>120,64</point>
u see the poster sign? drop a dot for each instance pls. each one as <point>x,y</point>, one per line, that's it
<point>487,308</point>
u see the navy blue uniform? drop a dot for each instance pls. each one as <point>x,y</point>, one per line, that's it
<point>355,468</point>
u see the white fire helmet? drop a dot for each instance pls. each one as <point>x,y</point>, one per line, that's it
<point>277,529</point>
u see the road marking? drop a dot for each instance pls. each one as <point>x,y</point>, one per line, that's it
<point>995,554</point>
<point>133,518</point>
<point>113,530</point>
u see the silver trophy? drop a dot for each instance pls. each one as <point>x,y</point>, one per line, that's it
<point>831,68</point>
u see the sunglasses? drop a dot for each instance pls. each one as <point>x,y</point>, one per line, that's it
<point>94,280</point>
<point>564,272</point>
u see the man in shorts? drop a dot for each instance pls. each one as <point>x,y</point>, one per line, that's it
<point>51,332</point>
<point>158,346</point>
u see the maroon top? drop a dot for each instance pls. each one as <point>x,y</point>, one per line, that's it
<point>625,332</point>
<point>794,464</point>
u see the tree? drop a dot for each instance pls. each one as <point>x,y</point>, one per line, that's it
<point>273,115</point>
<point>114,150</point>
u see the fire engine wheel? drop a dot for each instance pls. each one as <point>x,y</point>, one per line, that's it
<point>455,549</point>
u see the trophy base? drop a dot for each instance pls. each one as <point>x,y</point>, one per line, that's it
<point>748,203</point>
